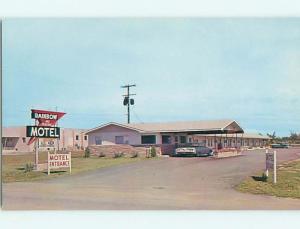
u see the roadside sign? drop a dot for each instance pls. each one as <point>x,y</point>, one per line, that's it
<point>271,164</point>
<point>45,127</point>
<point>58,160</point>
<point>43,131</point>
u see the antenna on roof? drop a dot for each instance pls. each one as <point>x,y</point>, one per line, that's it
<point>127,100</point>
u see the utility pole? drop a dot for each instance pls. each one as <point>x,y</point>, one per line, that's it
<point>127,101</point>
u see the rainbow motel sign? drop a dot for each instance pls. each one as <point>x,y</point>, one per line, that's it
<point>46,127</point>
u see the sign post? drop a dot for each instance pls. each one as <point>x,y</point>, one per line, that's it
<point>271,165</point>
<point>275,169</point>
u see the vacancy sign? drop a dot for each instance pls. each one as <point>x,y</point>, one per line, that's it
<point>57,161</point>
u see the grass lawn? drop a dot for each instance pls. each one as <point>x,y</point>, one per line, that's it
<point>13,168</point>
<point>288,182</point>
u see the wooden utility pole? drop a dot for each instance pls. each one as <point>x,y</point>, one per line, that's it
<point>127,101</point>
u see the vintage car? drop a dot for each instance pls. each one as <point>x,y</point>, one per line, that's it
<point>193,150</point>
<point>280,145</point>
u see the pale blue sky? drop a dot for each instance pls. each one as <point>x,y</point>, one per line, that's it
<point>185,69</point>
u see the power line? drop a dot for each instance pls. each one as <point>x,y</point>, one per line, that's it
<point>137,117</point>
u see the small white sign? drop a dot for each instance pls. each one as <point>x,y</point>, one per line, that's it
<point>59,160</point>
<point>271,164</point>
<point>269,161</point>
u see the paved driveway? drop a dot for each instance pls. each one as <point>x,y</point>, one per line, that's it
<point>166,183</point>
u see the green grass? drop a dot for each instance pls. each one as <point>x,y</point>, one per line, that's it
<point>13,169</point>
<point>288,182</point>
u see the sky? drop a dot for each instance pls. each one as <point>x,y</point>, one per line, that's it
<point>185,69</point>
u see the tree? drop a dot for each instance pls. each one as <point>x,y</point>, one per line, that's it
<point>272,136</point>
<point>293,137</point>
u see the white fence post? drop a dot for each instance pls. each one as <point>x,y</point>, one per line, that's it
<point>275,168</point>
<point>267,171</point>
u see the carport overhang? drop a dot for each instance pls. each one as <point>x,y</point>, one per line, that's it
<point>231,128</point>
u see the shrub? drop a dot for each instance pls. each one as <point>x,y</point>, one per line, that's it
<point>102,154</point>
<point>117,155</point>
<point>264,177</point>
<point>136,154</point>
<point>28,167</point>
<point>152,152</point>
<point>87,153</point>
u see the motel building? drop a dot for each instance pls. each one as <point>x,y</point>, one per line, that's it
<point>14,140</point>
<point>217,134</point>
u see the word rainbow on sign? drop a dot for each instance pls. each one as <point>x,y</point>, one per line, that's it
<point>58,161</point>
<point>44,116</point>
<point>43,131</point>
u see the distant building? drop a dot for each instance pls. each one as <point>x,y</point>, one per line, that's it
<point>14,140</point>
<point>213,134</point>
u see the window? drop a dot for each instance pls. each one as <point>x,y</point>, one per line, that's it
<point>182,139</point>
<point>85,137</point>
<point>98,140</point>
<point>77,137</point>
<point>148,139</point>
<point>176,138</point>
<point>24,140</point>
<point>119,139</point>
<point>190,140</point>
<point>166,139</point>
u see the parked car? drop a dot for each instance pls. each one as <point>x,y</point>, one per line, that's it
<point>193,150</point>
<point>280,145</point>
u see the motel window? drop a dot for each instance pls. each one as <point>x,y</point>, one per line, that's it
<point>85,137</point>
<point>148,139</point>
<point>166,139</point>
<point>182,139</point>
<point>77,137</point>
<point>98,140</point>
<point>119,139</point>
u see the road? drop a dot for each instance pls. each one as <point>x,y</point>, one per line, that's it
<point>165,183</point>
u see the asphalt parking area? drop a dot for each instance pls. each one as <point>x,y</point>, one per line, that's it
<point>165,183</point>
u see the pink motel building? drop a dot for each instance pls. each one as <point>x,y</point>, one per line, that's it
<point>169,135</point>
<point>14,140</point>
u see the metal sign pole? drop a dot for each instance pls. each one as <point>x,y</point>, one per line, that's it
<point>36,151</point>
<point>275,169</point>
<point>70,163</point>
<point>48,163</point>
<point>267,171</point>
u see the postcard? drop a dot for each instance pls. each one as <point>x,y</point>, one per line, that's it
<point>150,114</point>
